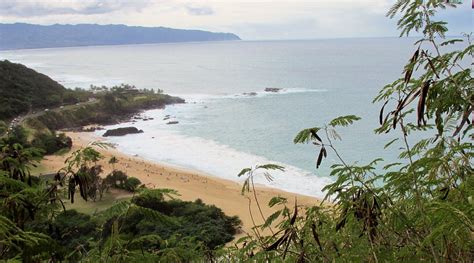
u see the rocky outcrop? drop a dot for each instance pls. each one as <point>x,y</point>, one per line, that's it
<point>272,89</point>
<point>121,131</point>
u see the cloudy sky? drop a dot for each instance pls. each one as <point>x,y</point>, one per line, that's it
<point>250,19</point>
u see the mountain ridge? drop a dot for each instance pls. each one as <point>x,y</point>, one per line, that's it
<point>29,36</point>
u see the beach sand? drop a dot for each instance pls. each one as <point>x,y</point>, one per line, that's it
<point>190,185</point>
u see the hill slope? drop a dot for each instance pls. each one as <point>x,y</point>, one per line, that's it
<point>23,89</point>
<point>22,36</point>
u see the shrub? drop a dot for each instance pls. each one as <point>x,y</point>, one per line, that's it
<point>116,179</point>
<point>51,142</point>
<point>131,184</point>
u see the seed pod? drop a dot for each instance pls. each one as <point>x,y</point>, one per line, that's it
<point>315,135</point>
<point>422,101</point>
<point>413,59</point>
<point>341,224</point>
<point>316,236</point>
<point>381,113</point>
<point>320,157</point>
<point>293,218</point>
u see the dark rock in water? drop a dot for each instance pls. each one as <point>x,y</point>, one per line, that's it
<point>166,118</point>
<point>122,131</point>
<point>272,89</point>
<point>151,119</point>
<point>173,122</point>
<point>250,93</point>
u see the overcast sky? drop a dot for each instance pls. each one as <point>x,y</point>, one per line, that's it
<point>278,19</point>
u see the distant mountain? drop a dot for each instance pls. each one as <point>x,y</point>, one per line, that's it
<point>22,36</point>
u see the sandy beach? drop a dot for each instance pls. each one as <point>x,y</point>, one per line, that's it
<point>191,185</point>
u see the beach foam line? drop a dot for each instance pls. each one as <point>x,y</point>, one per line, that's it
<point>210,157</point>
<point>245,95</point>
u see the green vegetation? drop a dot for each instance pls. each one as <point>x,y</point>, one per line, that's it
<point>3,128</point>
<point>206,224</point>
<point>120,180</point>
<point>51,143</point>
<point>420,208</point>
<point>25,92</point>
<point>23,89</point>
<point>108,106</point>
<point>45,141</point>
<point>108,199</point>
<point>151,226</point>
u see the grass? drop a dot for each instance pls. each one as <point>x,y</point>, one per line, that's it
<point>42,169</point>
<point>39,169</point>
<point>62,152</point>
<point>91,207</point>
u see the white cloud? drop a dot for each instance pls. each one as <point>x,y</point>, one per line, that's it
<point>199,10</point>
<point>250,19</point>
<point>33,8</point>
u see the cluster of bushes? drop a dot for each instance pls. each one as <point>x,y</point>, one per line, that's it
<point>127,99</point>
<point>110,106</point>
<point>51,142</point>
<point>152,226</point>
<point>120,180</point>
<point>180,220</point>
<point>47,142</point>
<point>71,233</point>
<point>96,185</point>
<point>70,117</point>
<point>3,128</point>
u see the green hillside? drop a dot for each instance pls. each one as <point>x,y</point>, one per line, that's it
<point>22,89</point>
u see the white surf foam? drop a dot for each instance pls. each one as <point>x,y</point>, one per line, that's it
<point>197,98</point>
<point>161,143</point>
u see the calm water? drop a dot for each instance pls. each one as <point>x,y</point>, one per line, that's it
<point>221,131</point>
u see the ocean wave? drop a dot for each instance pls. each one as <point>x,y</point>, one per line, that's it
<point>170,146</point>
<point>72,81</point>
<point>197,98</point>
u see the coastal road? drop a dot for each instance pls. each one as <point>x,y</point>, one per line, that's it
<point>20,119</point>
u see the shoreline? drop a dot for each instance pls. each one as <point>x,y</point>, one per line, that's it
<point>190,184</point>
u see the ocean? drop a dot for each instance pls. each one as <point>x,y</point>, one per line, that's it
<point>221,130</point>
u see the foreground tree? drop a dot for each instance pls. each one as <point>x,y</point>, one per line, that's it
<point>418,209</point>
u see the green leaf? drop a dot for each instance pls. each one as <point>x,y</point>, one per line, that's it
<point>450,42</point>
<point>344,120</point>
<point>386,167</point>
<point>244,171</point>
<point>276,200</point>
<point>390,143</point>
<point>271,219</point>
<point>271,166</point>
<point>307,135</point>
